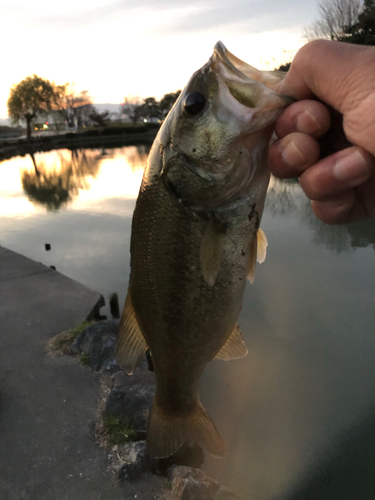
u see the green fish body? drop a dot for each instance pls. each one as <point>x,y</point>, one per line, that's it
<point>195,240</point>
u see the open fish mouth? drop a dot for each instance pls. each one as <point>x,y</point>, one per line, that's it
<point>246,90</point>
<point>233,66</point>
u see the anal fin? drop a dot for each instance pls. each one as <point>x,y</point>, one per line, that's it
<point>131,344</point>
<point>234,347</point>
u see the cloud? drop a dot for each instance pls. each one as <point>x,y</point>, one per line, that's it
<point>252,16</point>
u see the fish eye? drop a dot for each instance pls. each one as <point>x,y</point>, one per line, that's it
<point>194,103</point>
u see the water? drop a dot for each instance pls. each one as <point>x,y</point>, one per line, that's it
<point>306,390</point>
<point>81,206</point>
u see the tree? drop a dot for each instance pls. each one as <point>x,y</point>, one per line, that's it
<point>149,108</point>
<point>55,187</point>
<point>167,101</point>
<point>100,119</point>
<point>336,18</point>
<point>32,97</point>
<point>363,31</point>
<point>132,108</point>
<point>74,107</point>
<point>284,67</point>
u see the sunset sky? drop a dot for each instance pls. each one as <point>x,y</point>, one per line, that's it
<point>117,48</point>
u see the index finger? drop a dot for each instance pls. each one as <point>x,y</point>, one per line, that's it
<point>332,71</point>
<point>341,75</point>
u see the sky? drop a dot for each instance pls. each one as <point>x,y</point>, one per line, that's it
<point>121,48</point>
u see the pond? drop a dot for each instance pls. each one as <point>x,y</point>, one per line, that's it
<point>301,404</point>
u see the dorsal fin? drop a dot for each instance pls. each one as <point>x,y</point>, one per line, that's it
<point>131,344</point>
<point>234,347</point>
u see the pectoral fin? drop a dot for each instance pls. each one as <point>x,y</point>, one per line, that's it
<point>131,344</point>
<point>234,347</point>
<point>211,251</point>
<point>257,253</point>
<point>262,244</point>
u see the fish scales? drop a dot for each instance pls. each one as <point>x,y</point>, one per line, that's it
<point>194,240</point>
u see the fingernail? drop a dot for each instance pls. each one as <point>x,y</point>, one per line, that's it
<point>307,123</point>
<point>352,167</point>
<point>292,155</point>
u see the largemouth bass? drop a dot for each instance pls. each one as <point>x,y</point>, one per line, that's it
<point>195,240</point>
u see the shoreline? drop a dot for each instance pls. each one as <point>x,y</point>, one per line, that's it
<point>103,138</point>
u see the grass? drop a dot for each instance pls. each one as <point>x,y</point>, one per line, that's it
<point>118,430</point>
<point>84,358</point>
<point>61,343</point>
<point>168,485</point>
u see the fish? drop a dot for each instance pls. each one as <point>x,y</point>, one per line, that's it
<point>195,239</point>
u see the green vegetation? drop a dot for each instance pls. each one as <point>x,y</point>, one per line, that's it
<point>149,109</point>
<point>124,128</point>
<point>284,67</point>
<point>10,131</point>
<point>363,31</point>
<point>31,97</point>
<point>114,129</point>
<point>119,430</point>
<point>62,342</point>
<point>116,135</point>
<point>36,99</point>
<point>84,358</point>
<point>168,484</point>
<point>351,21</point>
<point>74,108</point>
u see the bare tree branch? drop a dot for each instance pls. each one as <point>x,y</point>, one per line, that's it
<point>336,17</point>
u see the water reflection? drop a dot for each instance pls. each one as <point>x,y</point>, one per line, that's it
<point>333,237</point>
<point>281,196</point>
<point>137,156</point>
<point>348,473</point>
<point>55,185</point>
<point>308,319</point>
<point>88,229</point>
<point>285,197</point>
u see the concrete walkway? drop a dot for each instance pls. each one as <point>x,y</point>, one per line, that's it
<point>47,405</point>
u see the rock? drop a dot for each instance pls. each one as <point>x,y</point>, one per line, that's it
<point>98,342</point>
<point>136,461</point>
<point>193,484</point>
<point>131,397</point>
<point>190,454</point>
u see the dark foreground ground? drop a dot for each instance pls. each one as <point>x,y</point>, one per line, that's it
<point>48,405</point>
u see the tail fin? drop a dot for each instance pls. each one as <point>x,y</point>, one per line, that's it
<point>166,432</point>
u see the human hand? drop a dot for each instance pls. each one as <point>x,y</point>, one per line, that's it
<point>340,185</point>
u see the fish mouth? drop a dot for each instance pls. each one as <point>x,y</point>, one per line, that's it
<point>247,91</point>
<point>233,66</point>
